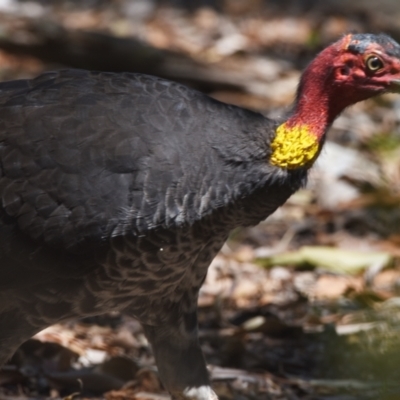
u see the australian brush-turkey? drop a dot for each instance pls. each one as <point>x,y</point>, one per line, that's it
<point>117,190</point>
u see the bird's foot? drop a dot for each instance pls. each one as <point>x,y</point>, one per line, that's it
<point>196,393</point>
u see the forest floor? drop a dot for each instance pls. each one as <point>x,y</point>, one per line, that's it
<point>307,304</point>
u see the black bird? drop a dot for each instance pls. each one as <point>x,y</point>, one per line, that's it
<point>117,190</point>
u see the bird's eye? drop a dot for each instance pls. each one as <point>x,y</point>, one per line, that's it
<point>374,63</point>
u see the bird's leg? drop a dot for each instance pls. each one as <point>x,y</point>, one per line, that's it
<point>179,358</point>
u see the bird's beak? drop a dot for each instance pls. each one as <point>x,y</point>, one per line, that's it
<point>395,86</point>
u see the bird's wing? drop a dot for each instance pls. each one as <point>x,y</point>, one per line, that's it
<point>85,156</point>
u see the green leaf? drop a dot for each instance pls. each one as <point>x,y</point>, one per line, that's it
<point>329,258</point>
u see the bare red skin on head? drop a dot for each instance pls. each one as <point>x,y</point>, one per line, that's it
<point>336,79</point>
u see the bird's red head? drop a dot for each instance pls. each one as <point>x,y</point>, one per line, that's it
<point>355,68</point>
<point>363,65</point>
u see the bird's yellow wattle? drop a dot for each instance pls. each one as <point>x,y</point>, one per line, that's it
<point>294,147</point>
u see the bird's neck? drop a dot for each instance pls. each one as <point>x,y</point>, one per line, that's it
<point>299,139</point>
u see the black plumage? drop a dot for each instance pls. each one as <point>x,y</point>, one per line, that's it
<point>117,190</point>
